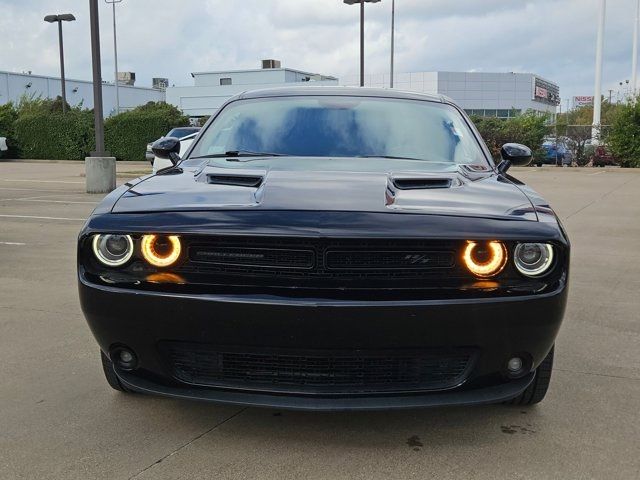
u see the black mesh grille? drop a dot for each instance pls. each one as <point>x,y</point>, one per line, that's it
<point>318,371</point>
<point>253,257</point>
<point>387,259</point>
<point>324,263</point>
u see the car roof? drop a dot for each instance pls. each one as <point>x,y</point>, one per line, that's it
<point>340,91</point>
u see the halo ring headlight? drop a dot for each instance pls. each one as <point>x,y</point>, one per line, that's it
<point>485,259</point>
<point>112,250</point>
<point>161,250</point>
<point>533,259</point>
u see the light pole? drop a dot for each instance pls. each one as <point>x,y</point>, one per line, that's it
<point>115,53</point>
<point>65,17</point>
<point>393,32</point>
<point>361,2</point>
<point>597,97</point>
<point>634,59</point>
<point>100,169</point>
<point>97,78</point>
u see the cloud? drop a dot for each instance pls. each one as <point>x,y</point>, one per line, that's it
<point>553,38</point>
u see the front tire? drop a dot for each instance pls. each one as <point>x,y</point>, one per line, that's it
<point>110,374</point>
<point>537,390</point>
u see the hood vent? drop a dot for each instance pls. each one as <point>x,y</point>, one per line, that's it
<point>235,180</point>
<point>421,183</point>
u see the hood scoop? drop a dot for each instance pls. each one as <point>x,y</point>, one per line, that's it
<point>252,181</point>
<point>421,183</point>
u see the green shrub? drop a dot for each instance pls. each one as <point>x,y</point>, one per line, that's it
<point>623,137</point>
<point>43,134</point>
<point>8,117</point>
<point>127,134</point>
<point>528,129</point>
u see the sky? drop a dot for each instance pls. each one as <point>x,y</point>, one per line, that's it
<point>160,38</point>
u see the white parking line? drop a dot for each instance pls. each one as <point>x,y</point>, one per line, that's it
<point>60,192</point>
<point>12,243</point>
<point>45,201</point>
<point>33,217</point>
<point>597,173</point>
<point>37,181</point>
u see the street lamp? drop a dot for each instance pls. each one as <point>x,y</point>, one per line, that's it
<point>597,96</point>
<point>115,52</point>
<point>634,58</point>
<point>361,2</point>
<point>65,17</point>
<point>393,33</point>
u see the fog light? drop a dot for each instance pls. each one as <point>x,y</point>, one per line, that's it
<point>124,358</point>
<point>514,365</point>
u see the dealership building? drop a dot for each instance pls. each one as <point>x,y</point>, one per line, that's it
<point>480,93</point>
<point>500,95</point>
<point>14,86</point>
<point>211,89</point>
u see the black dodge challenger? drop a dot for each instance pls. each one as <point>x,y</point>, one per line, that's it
<point>328,248</point>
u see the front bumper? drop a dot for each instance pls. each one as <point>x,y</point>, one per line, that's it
<point>497,328</point>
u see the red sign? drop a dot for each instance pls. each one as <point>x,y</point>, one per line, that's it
<point>541,92</point>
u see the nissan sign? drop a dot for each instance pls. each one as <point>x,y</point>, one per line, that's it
<point>582,101</point>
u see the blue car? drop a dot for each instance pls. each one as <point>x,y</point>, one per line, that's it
<point>557,153</point>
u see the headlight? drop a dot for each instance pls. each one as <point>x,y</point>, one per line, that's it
<point>161,250</point>
<point>533,259</point>
<point>113,250</point>
<point>485,259</point>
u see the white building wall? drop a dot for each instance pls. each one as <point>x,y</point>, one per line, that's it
<point>484,91</point>
<point>14,85</point>
<point>199,101</point>
<point>240,77</point>
<point>207,95</point>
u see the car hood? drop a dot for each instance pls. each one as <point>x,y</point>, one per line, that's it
<point>457,191</point>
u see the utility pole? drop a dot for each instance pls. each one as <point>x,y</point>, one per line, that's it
<point>362,43</point>
<point>100,169</point>
<point>634,58</point>
<point>597,97</point>
<point>97,77</point>
<point>115,53</point>
<point>393,31</point>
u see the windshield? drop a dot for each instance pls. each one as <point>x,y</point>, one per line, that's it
<point>324,126</point>
<point>181,132</point>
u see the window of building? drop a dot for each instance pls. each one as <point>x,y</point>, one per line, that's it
<point>225,81</point>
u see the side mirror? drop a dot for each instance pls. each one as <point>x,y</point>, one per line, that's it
<point>167,147</point>
<point>514,154</point>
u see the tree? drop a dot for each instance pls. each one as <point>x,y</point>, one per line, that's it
<point>528,129</point>
<point>127,134</point>
<point>8,117</point>
<point>623,137</point>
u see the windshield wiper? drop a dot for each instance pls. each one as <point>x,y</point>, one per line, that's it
<point>242,153</point>
<point>392,157</point>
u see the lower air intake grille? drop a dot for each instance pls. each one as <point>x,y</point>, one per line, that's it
<point>318,371</point>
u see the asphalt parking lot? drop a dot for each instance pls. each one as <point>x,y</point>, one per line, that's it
<point>59,418</point>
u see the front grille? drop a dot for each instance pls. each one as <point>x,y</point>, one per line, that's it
<point>387,259</point>
<point>320,262</point>
<point>317,372</point>
<point>253,257</point>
